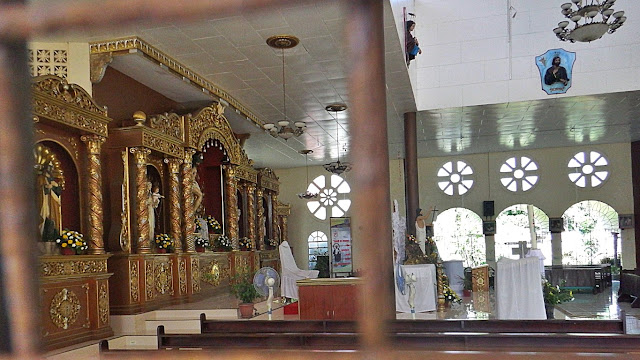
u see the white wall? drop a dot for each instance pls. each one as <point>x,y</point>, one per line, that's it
<point>467,58</point>
<point>553,193</point>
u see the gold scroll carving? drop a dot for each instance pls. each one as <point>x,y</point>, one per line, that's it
<point>212,275</point>
<point>125,227</point>
<point>247,173</point>
<point>164,277</point>
<point>274,218</point>
<point>174,202</point>
<point>80,265</point>
<point>169,124</point>
<point>195,275</point>
<point>64,309</point>
<point>103,304</point>
<point>149,279</point>
<point>261,229</point>
<point>160,144</point>
<point>94,193</point>
<point>98,64</point>
<point>68,104</point>
<point>188,177</point>
<point>268,180</point>
<point>232,205</point>
<point>182,275</point>
<point>134,281</point>
<point>142,211</point>
<point>285,229</point>
<point>251,216</point>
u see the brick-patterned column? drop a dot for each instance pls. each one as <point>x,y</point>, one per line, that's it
<point>174,202</point>
<point>94,193</point>
<point>142,191</point>
<point>251,214</point>
<point>188,177</point>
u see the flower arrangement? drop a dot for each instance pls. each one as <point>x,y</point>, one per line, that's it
<point>222,243</point>
<point>553,294</point>
<point>273,243</point>
<point>412,239</point>
<point>245,244</point>
<point>202,242</point>
<point>73,240</point>
<point>164,241</point>
<point>198,227</point>
<point>214,225</point>
<point>450,296</point>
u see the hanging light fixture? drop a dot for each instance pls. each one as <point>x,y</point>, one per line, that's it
<point>284,129</point>
<point>307,195</point>
<point>591,20</point>
<point>337,167</point>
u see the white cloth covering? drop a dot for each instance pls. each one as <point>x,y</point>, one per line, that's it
<point>538,254</point>
<point>425,289</point>
<point>291,272</point>
<point>454,269</point>
<point>519,290</point>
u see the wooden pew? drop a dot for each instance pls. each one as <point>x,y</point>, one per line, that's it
<point>417,326</point>
<point>467,341</point>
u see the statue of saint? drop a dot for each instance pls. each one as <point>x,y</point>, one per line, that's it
<point>422,221</point>
<point>197,192</point>
<point>153,201</point>
<point>50,204</point>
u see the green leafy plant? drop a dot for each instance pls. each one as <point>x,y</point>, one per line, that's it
<point>244,290</point>
<point>553,294</point>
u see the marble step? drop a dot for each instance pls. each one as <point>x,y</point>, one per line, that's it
<point>134,342</point>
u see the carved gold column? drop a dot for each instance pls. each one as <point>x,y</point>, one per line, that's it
<point>285,229</point>
<point>251,214</point>
<point>231,222</point>
<point>142,191</point>
<point>94,191</point>
<point>261,234</point>
<point>189,227</point>
<point>440,286</point>
<point>174,202</point>
<point>274,219</point>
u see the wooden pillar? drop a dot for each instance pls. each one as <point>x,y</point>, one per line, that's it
<point>231,184</point>
<point>635,182</point>
<point>174,202</point>
<point>188,226</point>
<point>21,332</point>
<point>142,194</point>
<point>94,193</point>
<point>370,174</point>
<point>251,214</point>
<point>412,190</point>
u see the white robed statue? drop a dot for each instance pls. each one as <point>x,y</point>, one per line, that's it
<point>153,201</point>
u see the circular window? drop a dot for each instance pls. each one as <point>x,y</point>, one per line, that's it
<point>332,197</point>
<point>454,178</point>
<point>519,174</point>
<point>588,169</point>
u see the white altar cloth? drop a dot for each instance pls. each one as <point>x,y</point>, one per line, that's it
<point>519,290</point>
<point>291,272</point>
<point>425,289</point>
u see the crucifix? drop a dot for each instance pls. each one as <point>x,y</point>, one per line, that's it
<point>521,250</point>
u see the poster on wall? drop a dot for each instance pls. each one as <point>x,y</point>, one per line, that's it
<point>341,245</point>
<point>556,68</point>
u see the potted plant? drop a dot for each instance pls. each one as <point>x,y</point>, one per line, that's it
<point>164,243</point>
<point>222,243</point>
<point>201,244</point>
<point>554,295</point>
<point>244,290</point>
<point>214,225</point>
<point>71,243</point>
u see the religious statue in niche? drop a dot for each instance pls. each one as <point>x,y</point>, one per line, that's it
<point>556,67</point>
<point>50,183</point>
<point>195,187</point>
<point>421,248</point>
<point>153,202</point>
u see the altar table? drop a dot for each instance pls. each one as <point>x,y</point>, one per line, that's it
<point>425,289</point>
<point>519,290</point>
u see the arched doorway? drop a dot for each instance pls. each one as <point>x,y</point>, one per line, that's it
<point>458,234</point>
<point>587,238</point>
<point>512,226</point>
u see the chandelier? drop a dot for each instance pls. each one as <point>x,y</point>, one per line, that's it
<point>337,167</point>
<point>591,20</point>
<point>307,195</point>
<point>284,128</point>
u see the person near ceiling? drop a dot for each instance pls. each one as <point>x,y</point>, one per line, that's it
<point>411,43</point>
<point>556,73</point>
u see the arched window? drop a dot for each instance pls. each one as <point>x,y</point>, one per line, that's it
<point>333,197</point>
<point>588,169</point>
<point>318,245</point>
<point>512,226</point>
<point>587,238</point>
<point>455,178</point>
<point>458,234</point>
<point>519,174</point>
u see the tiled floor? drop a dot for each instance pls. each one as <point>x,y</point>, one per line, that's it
<point>138,332</point>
